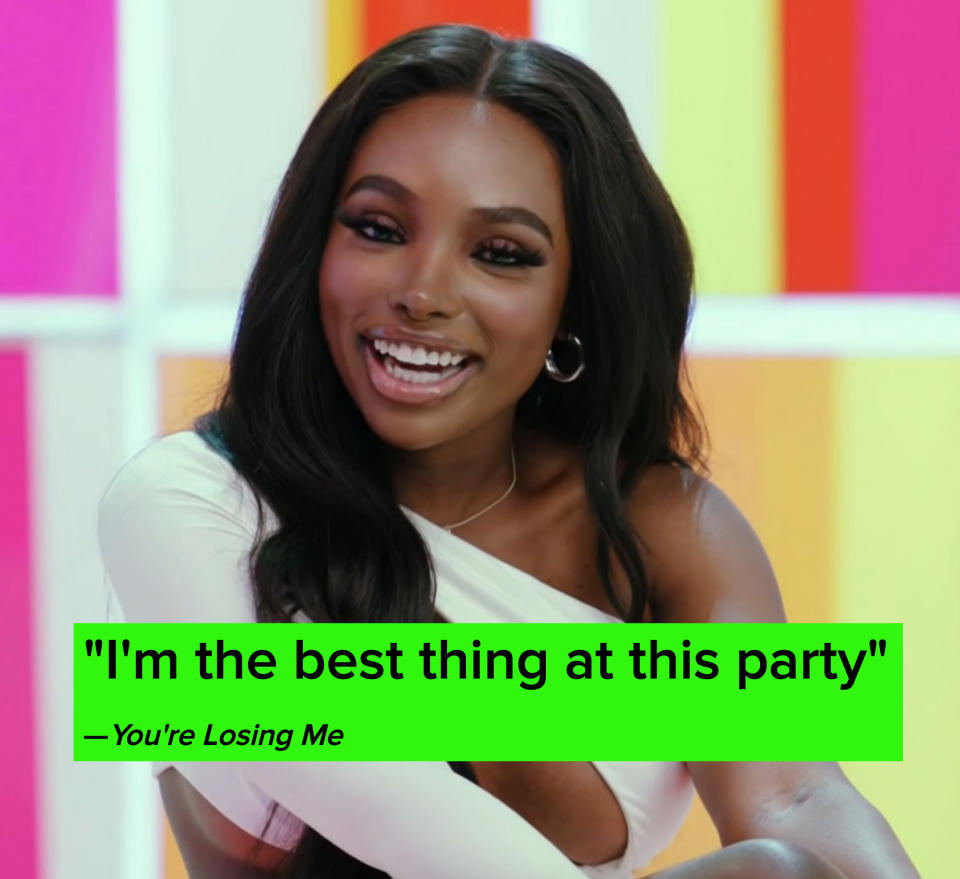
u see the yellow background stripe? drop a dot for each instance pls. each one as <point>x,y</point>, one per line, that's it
<point>721,139</point>
<point>344,39</point>
<point>898,559</point>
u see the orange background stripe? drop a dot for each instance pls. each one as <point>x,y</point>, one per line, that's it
<point>771,451</point>
<point>188,387</point>
<point>382,21</point>
<point>819,144</point>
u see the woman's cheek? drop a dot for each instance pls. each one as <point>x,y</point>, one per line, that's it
<point>527,317</point>
<point>345,280</point>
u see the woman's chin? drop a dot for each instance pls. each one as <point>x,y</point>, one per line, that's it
<point>408,437</point>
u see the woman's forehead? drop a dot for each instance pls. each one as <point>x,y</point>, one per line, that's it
<point>461,148</point>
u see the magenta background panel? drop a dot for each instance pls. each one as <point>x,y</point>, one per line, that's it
<point>18,807</point>
<point>58,202</point>
<point>909,167</point>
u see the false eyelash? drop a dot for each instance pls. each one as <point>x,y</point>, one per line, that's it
<point>358,222</point>
<point>521,257</point>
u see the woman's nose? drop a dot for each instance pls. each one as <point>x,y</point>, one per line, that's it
<point>420,304</point>
<point>427,293</point>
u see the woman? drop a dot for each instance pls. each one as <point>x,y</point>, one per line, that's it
<point>455,395</point>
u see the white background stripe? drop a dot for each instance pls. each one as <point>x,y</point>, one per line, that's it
<point>621,40</point>
<point>792,326</point>
<point>243,87</point>
<point>147,192</point>
<point>75,448</point>
<point>826,326</point>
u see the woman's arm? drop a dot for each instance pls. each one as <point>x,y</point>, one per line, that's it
<point>707,565</point>
<point>175,528</point>
<point>412,820</point>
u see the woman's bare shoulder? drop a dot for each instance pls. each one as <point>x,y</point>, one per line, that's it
<point>705,562</point>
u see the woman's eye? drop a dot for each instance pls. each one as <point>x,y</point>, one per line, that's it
<point>506,255</point>
<point>379,232</point>
<point>373,228</point>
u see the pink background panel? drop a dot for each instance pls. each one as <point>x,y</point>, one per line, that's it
<point>909,147</point>
<point>58,223</point>
<point>18,836</point>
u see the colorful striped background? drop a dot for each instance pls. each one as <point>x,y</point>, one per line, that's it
<point>812,149</point>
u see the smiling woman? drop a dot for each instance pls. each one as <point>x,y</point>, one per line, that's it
<point>467,316</point>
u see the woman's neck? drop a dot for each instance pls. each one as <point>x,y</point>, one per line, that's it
<point>449,482</point>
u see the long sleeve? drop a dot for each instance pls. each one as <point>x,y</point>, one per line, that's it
<point>175,528</point>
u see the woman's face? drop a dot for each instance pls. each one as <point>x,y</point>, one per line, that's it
<point>445,272</point>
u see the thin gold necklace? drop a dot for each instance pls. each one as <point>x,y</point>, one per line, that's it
<point>489,507</point>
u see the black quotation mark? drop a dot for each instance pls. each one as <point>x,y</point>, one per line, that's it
<point>98,646</point>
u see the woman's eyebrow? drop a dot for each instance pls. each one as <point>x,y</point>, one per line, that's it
<point>504,214</point>
<point>387,185</point>
<point>512,214</point>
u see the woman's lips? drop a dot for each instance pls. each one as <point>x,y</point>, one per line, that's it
<point>398,390</point>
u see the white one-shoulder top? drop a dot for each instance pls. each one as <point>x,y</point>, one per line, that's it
<point>176,526</point>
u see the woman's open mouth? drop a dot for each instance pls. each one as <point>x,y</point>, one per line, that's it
<point>408,373</point>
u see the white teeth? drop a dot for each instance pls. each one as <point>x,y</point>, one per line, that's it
<point>418,377</point>
<point>418,356</point>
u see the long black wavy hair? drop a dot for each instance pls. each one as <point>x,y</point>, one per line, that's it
<point>344,551</point>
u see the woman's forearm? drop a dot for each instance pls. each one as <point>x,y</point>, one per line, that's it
<point>412,820</point>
